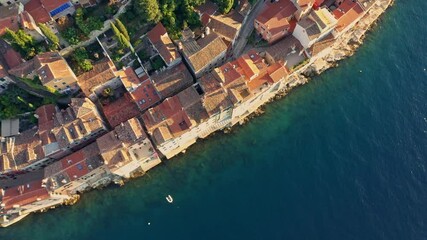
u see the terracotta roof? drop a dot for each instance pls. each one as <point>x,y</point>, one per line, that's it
<point>12,58</point>
<point>275,15</point>
<point>72,167</point>
<point>145,95</point>
<point>172,80</point>
<point>318,47</point>
<point>310,27</point>
<point>304,3</point>
<point>48,66</point>
<point>120,110</point>
<point>208,8</point>
<point>161,41</point>
<point>346,13</point>
<point>9,18</point>
<point>129,78</point>
<point>76,122</point>
<point>24,194</point>
<point>37,11</point>
<point>45,115</point>
<point>101,73</point>
<point>281,49</point>
<point>114,145</point>
<point>27,21</point>
<point>204,51</point>
<point>226,25</point>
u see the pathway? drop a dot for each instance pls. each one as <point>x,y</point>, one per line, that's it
<point>93,35</point>
<point>247,28</point>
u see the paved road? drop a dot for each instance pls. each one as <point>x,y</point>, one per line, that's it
<point>247,29</point>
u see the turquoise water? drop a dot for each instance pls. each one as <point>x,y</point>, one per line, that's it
<point>343,157</point>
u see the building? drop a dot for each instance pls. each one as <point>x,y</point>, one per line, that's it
<point>348,13</point>
<point>304,7</point>
<point>103,74</point>
<point>44,11</point>
<point>172,80</point>
<point>9,17</point>
<point>127,151</point>
<point>163,45</point>
<point>250,81</point>
<point>19,201</point>
<point>314,27</point>
<point>140,88</point>
<point>77,172</point>
<point>203,54</point>
<point>174,124</point>
<point>52,70</point>
<point>227,26</point>
<point>11,2</point>
<point>275,20</point>
<point>59,132</point>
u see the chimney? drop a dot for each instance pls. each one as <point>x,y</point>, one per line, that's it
<point>207,31</point>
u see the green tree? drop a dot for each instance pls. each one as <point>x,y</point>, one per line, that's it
<point>149,10</point>
<point>122,29</point>
<point>80,56</point>
<point>225,5</point>
<point>22,42</point>
<point>49,34</point>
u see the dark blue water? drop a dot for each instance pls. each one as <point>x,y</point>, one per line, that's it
<point>343,157</point>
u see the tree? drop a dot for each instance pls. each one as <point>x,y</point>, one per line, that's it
<point>80,56</point>
<point>225,5</point>
<point>22,42</point>
<point>149,10</point>
<point>49,34</point>
<point>122,29</point>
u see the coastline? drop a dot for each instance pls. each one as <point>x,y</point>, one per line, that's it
<point>343,47</point>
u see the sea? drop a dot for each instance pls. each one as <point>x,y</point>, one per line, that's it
<point>342,157</point>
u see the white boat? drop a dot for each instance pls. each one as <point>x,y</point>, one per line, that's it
<point>169,199</point>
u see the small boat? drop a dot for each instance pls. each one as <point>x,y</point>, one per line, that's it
<point>169,199</point>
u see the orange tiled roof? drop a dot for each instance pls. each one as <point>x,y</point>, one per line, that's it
<point>346,13</point>
<point>145,95</point>
<point>37,11</point>
<point>161,41</point>
<point>172,80</point>
<point>120,110</point>
<point>275,15</point>
<point>102,72</point>
<point>24,194</point>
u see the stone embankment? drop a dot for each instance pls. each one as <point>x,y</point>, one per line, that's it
<point>347,44</point>
<point>344,47</point>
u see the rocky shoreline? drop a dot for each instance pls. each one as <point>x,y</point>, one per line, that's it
<point>344,47</point>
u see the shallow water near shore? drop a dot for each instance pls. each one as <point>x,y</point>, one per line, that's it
<point>343,157</point>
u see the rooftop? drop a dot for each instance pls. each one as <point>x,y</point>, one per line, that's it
<point>275,15</point>
<point>120,110</point>
<point>161,41</point>
<point>204,51</point>
<point>24,194</point>
<point>102,72</point>
<point>172,80</point>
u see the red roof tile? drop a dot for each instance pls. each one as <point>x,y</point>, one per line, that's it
<point>24,194</point>
<point>120,110</point>
<point>145,95</point>
<point>37,11</point>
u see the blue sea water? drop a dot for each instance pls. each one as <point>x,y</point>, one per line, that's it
<point>343,157</point>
